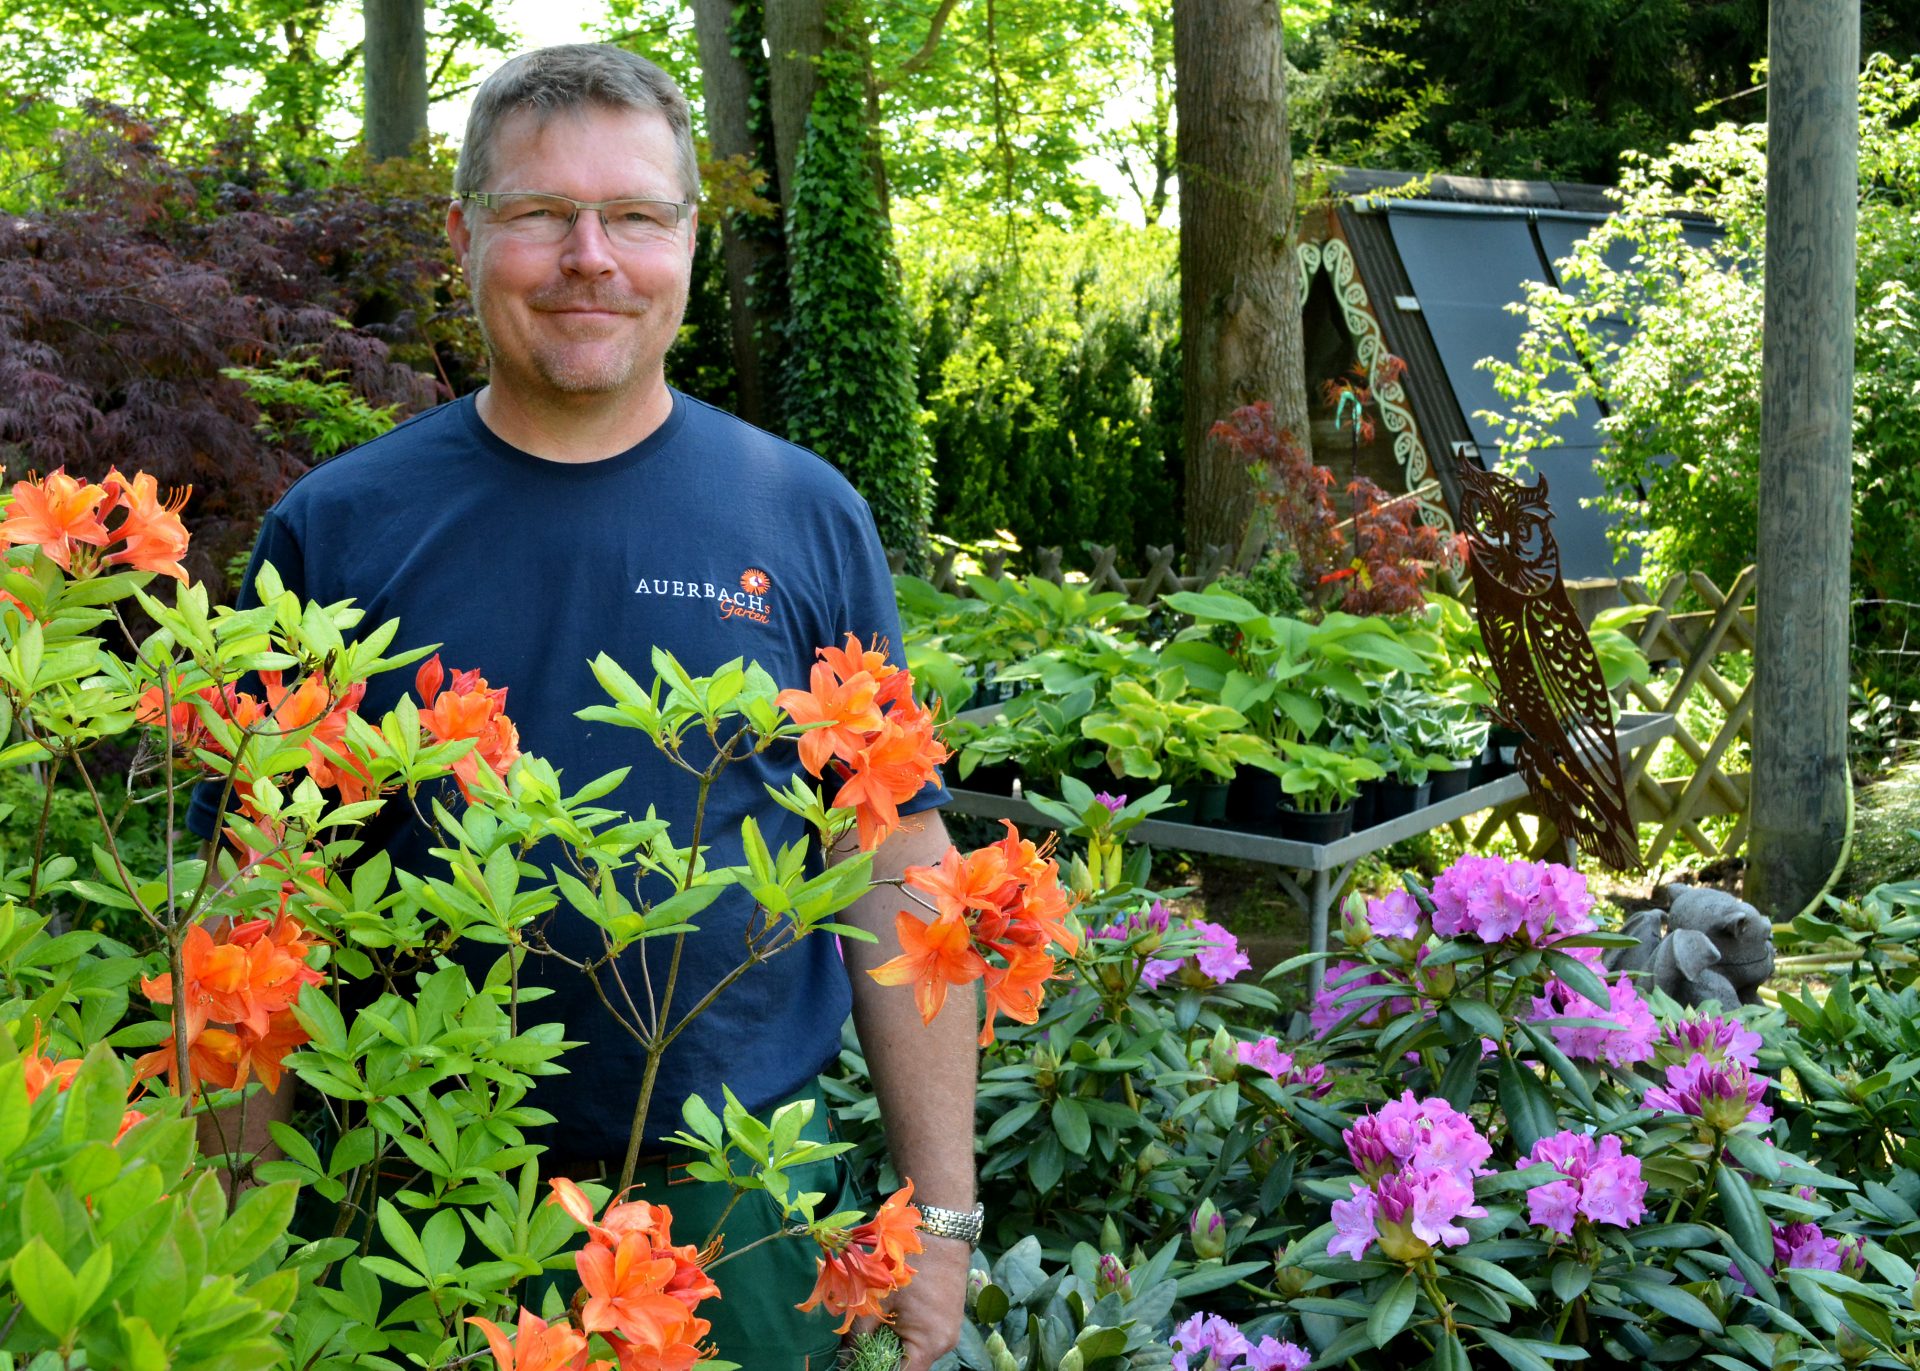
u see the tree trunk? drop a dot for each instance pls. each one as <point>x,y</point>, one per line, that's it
<point>1239,287</point>
<point>396,76</point>
<point>1806,450</point>
<point>796,35</point>
<point>726,82</point>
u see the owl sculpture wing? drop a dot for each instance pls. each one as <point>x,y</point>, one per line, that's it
<point>1548,682</point>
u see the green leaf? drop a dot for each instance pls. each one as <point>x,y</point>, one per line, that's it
<point>46,1287</point>
<point>1205,1278</point>
<point>1671,1300</point>
<point>1528,1106</point>
<point>258,1221</point>
<point>1392,1310</point>
<point>1070,1122</point>
<point>1745,1220</point>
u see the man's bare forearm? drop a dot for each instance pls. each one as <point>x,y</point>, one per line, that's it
<point>923,1074</point>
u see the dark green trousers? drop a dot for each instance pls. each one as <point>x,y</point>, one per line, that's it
<point>754,1321</point>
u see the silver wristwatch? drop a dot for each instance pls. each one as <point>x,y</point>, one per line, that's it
<point>964,1224</point>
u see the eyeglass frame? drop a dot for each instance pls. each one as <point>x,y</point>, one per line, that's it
<point>487,199</point>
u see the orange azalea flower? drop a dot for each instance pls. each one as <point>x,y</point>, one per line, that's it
<point>156,540</point>
<point>254,971</point>
<point>893,767</point>
<point>1016,989</point>
<point>470,708</point>
<point>56,513</point>
<point>934,956</point>
<point>870,1263</point>
<point>213,1057</point>
<point>960,883</point>
<point>895,684</point>
<point>626,1289</point>
<point>690,1283</point>
<point>312,702</point>
<point>847,705</point>
<point>43,1071</point>
<point>536,1345</point>
<point>1045,904</point>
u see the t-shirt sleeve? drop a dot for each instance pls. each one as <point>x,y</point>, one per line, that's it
<point>276,545</point>
<point>870,610</point>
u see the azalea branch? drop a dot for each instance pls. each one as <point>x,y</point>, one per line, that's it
<point>760,957</point>
<point>40,835</point>
<point>127,883</point>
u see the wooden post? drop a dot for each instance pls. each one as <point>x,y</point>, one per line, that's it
<point>1806,449</point>
<point>396,76</point>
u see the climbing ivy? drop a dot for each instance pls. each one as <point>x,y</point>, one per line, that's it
<point>849,377</point>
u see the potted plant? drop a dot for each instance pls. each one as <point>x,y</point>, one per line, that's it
<point>1194,744</point>
<point>1322,784</point>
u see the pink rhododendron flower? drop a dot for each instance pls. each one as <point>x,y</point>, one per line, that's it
<point>1628,1040</point>
<point>1221,959</point>
<point>1495,900</point>
<point>1207,1339</point>
<point>1408,1213</point>
<point>1395,916</point>
<point>1803,1245</point>
<point>1713,1036</point>
<point>1603,1183</point>
<point>1274,1355</point>
<point>1265,1055</point>
<point>1411,1134</point>
<point>1723,1094</point>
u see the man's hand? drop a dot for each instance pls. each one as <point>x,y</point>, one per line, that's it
<point>927,1313</point>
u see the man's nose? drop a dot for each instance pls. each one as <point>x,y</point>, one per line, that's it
<point>587,251</point>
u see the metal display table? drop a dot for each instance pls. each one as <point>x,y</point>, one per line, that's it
<point>1314,874</point>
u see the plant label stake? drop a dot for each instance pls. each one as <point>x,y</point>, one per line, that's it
<point>1547,684</point>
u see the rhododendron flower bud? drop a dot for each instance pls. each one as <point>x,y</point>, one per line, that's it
<point>977,1281</point>
<point>1207,1230</point>
<point>1356,930</point>
<point>1222,1057</point>
<point>1111,1277</point>
<point>999,1355</point>
<point>1723,1095</point>
<point>1714,1036</point>
<point>1113,803</point>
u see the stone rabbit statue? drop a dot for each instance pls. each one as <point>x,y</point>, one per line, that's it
<point>1703,945</point>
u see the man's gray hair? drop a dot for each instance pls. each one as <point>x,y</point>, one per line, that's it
<point>571,76</point>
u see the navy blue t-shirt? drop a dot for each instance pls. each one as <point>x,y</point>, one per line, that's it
<point>711,539</point>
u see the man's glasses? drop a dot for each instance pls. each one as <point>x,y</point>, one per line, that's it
<point>535,217</point>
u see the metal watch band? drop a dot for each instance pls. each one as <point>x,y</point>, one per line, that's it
<point>964,1224</point>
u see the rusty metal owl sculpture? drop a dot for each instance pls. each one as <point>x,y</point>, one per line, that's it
<point>1548,684</point>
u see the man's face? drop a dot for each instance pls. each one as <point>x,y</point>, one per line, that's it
<point>587,316</point>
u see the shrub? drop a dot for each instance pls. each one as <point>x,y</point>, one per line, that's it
<point>1671,345</point>
<point>1051,384</point>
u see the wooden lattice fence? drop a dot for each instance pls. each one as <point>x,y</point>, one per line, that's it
<point>1686,650</point>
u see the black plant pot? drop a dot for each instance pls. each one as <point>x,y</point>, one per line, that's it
<point>1396,800</point>
<point>1305,827</point>
<point>1447,784</point>
<point>1492,765</point>
<point>1200,802</point>
<point>1254,799</point>
<point>1363,816</point>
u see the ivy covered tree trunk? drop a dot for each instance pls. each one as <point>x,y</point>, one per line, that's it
<point>396,76</point>
<point>735,82</point>
<point>796,32</point>
<point>848,376</point>
<point>1239,287</point>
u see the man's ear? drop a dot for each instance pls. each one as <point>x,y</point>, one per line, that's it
<point>459,232</point>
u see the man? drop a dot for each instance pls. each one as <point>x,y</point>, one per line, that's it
<point>578,504</point>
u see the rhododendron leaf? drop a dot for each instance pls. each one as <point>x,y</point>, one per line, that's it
<point>1493,1274</point>
<point>1570,1075</point>
<point>1391,1310</point>
<point>1669,1299</point>
<point>46,1286</point>
<point>1758,1279</point>
<point>1579,977</point>
<point>1528,1106</point>
<point>1745,1219</point>
<point>1570,1280</point>
<point>257,1222</point>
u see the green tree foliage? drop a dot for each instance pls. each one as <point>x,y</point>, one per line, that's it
<point>848,380</point>
<point>1673,347</point>
<point>198,62</point>
<point>1561,88</point>
<point>1052,382</point>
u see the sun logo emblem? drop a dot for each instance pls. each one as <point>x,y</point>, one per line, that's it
<point>755,581</point>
